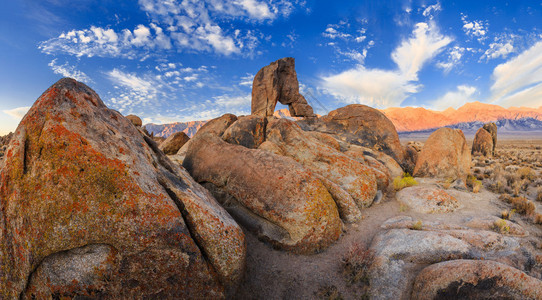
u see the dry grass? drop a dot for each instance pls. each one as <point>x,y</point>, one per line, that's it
<point>538,219</point>
<point>539,194</point>
<point>501,226</point>
<point>356,263</point>
<point>329,292</point>
<point>523,206</point>
<point>507,214</point>
<point>417,226</point>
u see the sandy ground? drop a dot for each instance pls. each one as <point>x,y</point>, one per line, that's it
<point>274,274</point>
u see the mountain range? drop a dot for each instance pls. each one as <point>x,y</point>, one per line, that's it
<point>469,117</point>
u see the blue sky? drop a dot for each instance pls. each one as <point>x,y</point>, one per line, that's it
<point>182,60</point>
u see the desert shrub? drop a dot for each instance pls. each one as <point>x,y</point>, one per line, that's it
<point>526,173</point>
<point>501,226</point>
<point>447,183</point>
<point>417,226</point>
<point>407,180</point>
<point>507,214</point>
<point>329,292</point>
<point>523,206</point>
<point>476,186</point>
<point>539,194</point>
<point>538,219</point>
<point>356,263</point>
<point>505,198</point>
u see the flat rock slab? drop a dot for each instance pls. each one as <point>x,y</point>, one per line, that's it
<point>428,199</point>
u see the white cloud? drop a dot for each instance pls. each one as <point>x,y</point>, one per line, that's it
<point>385,88</point>
<point>454,58</point>
<point>519,80</point>
<point>247,80</point>
<point>498,50</point>
<point>235,101</point>
<point>69,71</point>
<point>475,29</point>
<point>455,99</point>
<point>431,9</point>
<point>101,42</point>
<point>17,113</point>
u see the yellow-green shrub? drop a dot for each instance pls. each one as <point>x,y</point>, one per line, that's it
<point>407,180</point>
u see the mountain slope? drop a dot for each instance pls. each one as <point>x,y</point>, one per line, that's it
<point>408,119</point>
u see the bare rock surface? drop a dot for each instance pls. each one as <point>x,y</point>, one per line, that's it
<point>352,176</point>
<point>277,82</point>
<point>492,129</point>
<point>173,143</point>
<point>360,125</point>
<point>271,195</point>
<point>475,279</point>
<point>483,143</point>
<point>82,187</point>
<point>444,155</point>
<point>428,199</point>
<point>247,131</point>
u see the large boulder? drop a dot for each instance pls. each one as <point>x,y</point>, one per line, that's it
<point>352,176</point>
<point>174,142</point>
<point>92,208</point>
<point>269,194</point>
<point>444,155</point>
<point>475,279</point>
<point>248,131</point>
<point>278,82</point>
<point>135,120</point>
<point>427,199</point>
<point>483,143</point>
<point>360,125</point>
<point>492,129</point>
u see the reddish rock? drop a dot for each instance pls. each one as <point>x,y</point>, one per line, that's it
<point>277,82</point>
<point>352,176</point>
<point>135,120</point>
<point>360,125</point>
<point>92,208</point>
<point>483,143</point>
<point>444,155</point>
<point>173,143</point>
<point>269,194</point>
<point>248,131</point>
<point>475,279</point>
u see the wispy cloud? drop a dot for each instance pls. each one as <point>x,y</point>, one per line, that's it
<point>69,71</point>
<point>462,95</point>
<point>384,88</point>
<point>17,113</point>
<point>519,80</point>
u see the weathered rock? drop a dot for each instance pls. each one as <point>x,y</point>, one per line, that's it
<point>248,131</point>
<point>270,194</point>
<point>361,125</point>
<point>418,146</point>
<point>135,120</point>
<point>355,178</point>
<point>394,169</point>
<point>215,126</point>
<point>444,155</point>
<point>492,129</point>
<point>411,156</point>
<point>278,82</point>
<point>483,143</point>
<point>427,199</point>
<point>92,208</point>
<point>475,279</point>
<point>173,143</point>
<point>325,139</point>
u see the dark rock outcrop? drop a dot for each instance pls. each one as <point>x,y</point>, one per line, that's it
<point>92,208</point>
<point>444,155</point>
<point>277,82</point>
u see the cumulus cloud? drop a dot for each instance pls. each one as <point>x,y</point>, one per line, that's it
<point>498,49</point>
<point>519,80</point>
<point>69,71</point>
<point>17,113</point>
<point>475,29</point>
<point>385,88</point>
<point>462,95</point>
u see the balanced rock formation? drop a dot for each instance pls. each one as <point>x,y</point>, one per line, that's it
<point>360,125</point>
<point>173,143</point>
<point>444,155</point>
<point>278,82</point>
<point>492,129</point>
<point>92,208</point>
<point>483,143</point>
<point>135,120</point>
<point>269,194</point>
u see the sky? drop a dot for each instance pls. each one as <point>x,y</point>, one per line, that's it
<point>183,60</point>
